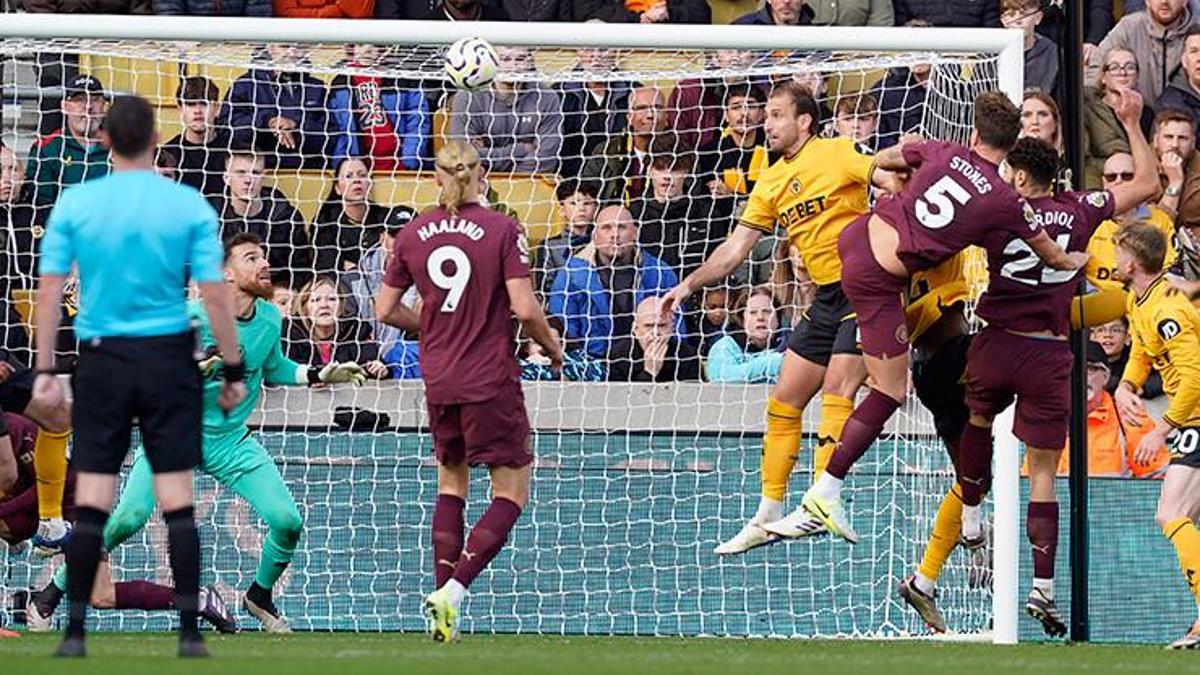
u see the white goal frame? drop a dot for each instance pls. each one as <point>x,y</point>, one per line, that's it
<point>1007,45</point>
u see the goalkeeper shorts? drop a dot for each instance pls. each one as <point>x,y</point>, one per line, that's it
<point>152,379</point>
<point>483,433</point>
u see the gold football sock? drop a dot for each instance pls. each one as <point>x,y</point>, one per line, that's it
<point>781,445</point>
<point>835,410</point>
<point>50,462</point>
<point>947,526</point>
<point>1186,538</point>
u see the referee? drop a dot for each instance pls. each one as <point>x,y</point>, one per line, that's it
<point>136,239</point>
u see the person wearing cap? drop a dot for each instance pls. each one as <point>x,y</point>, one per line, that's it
<point>362,282</point>
<point>74,153</point>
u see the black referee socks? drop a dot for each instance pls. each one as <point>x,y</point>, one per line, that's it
<point>83,557</point>
<point>183,542</point>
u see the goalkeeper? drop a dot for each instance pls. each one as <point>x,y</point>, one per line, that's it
<point>231,455</point>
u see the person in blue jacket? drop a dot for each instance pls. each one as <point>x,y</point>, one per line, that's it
<point>279,111</point>
<point>751,355</point>
<point>381,119</point>
<point>596,293</point>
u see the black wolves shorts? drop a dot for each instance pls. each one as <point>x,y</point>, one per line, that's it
<point>154,380</point>
<point>1184,446</point>
<point>826,328</point>
<point>939,382</point>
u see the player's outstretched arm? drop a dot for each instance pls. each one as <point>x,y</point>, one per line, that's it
<point>723,261</point>
<point>893,158</point>
<point>1054,256</point>
<point>525,307</point>
<point>1145,183</point>
<point>390,310</point>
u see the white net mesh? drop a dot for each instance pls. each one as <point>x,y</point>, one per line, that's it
<point>635,483</point>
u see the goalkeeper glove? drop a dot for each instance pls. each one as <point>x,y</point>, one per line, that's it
<point>338,373</point>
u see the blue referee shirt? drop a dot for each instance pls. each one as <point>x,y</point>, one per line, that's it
<point>137,238</point>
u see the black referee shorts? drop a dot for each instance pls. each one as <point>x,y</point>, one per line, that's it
<point>826,328</point>
<point>152,379</point>
<point>939,384</point>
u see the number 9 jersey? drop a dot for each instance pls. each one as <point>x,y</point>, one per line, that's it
<point>1023,294</point>
<point>460,265</point>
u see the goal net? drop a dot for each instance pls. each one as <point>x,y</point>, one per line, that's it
<point>324,149</point>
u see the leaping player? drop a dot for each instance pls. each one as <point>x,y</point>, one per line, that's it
<point>814,191</point>
<point>231,454</point>
<point>955,199</point>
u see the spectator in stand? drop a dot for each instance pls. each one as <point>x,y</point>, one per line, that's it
<point>349,223</point>
<point>857,117</point>
<point>595,294</point>
<point>325,9</point>
<point>214,7</point>
<point>594,109</point>
<point>1041,53</point>
<point>166,164</point>
<point>946,13</point>
<point>901,97</point>
<point>730,165</point>
<point>720,314</point>
<point>1040,120</point>
<point>1101,268</point>
<point>454,10</point>
<point>643,11</point>
<point>577,205</point>
<point>1174,141</point>
<point>17,222</point>
<point>1103,134</point>
<point>73,154</point>
<point>321,332</point>
<point>362,284</point>
<point>853,13</point>
<point>1156,36</point>
<point>247,206</point>
<point>1183,91</point>
<point>1113,338</point>
<point>751,355</point>
<point>578,365</point>
<point>201,147</point>
<point>779,13</point>
<point>517,126</point>
<point>695,110</point>
<point>652,352</point>
<point>1098,19</point>
<point>677,223</point>
<point>278,110</point>
<point>621,162</point>
<point>283,297</point>
<point>383,120</point>
<point>538,10</point>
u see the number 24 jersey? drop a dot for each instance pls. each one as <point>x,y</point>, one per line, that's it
<point>460,265</point>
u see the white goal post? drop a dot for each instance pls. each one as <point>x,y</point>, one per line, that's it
<point>176,39</point>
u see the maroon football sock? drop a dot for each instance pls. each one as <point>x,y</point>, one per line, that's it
<point>974,463</point>
<point>447,536</point>
<point>486,540</point>
<point>861,430</point>
<point>144,595</point>
<point>1041,523</point>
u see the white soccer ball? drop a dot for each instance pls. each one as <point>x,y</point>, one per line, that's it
<point>471,64</point>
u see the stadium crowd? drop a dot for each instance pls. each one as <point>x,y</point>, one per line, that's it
<point>647,183</point>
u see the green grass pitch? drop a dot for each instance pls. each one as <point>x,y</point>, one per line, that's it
<point>343,653</point>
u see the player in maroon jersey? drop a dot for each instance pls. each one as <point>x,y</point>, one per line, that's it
<point>1023,353</point>
<point>955,199</point>
<point>19,522</point>
<point>471,268</point>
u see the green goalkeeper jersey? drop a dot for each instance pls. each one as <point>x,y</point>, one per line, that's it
<point>259,339</point>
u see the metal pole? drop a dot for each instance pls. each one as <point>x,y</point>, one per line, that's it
<point>1072,126</point>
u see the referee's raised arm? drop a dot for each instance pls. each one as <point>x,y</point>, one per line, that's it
<point>135,239</point>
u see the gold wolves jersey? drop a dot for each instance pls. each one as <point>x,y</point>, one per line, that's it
<point>1103,263</point>
<point>1166,335</point>
<point>931,292</point>
<point>813,195</point>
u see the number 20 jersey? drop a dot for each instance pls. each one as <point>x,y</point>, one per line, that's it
<point>955,199</point>
<point>460,265</point>
<point>1023,294</point>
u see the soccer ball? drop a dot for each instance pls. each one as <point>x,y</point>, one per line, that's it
<point>471,64</point>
